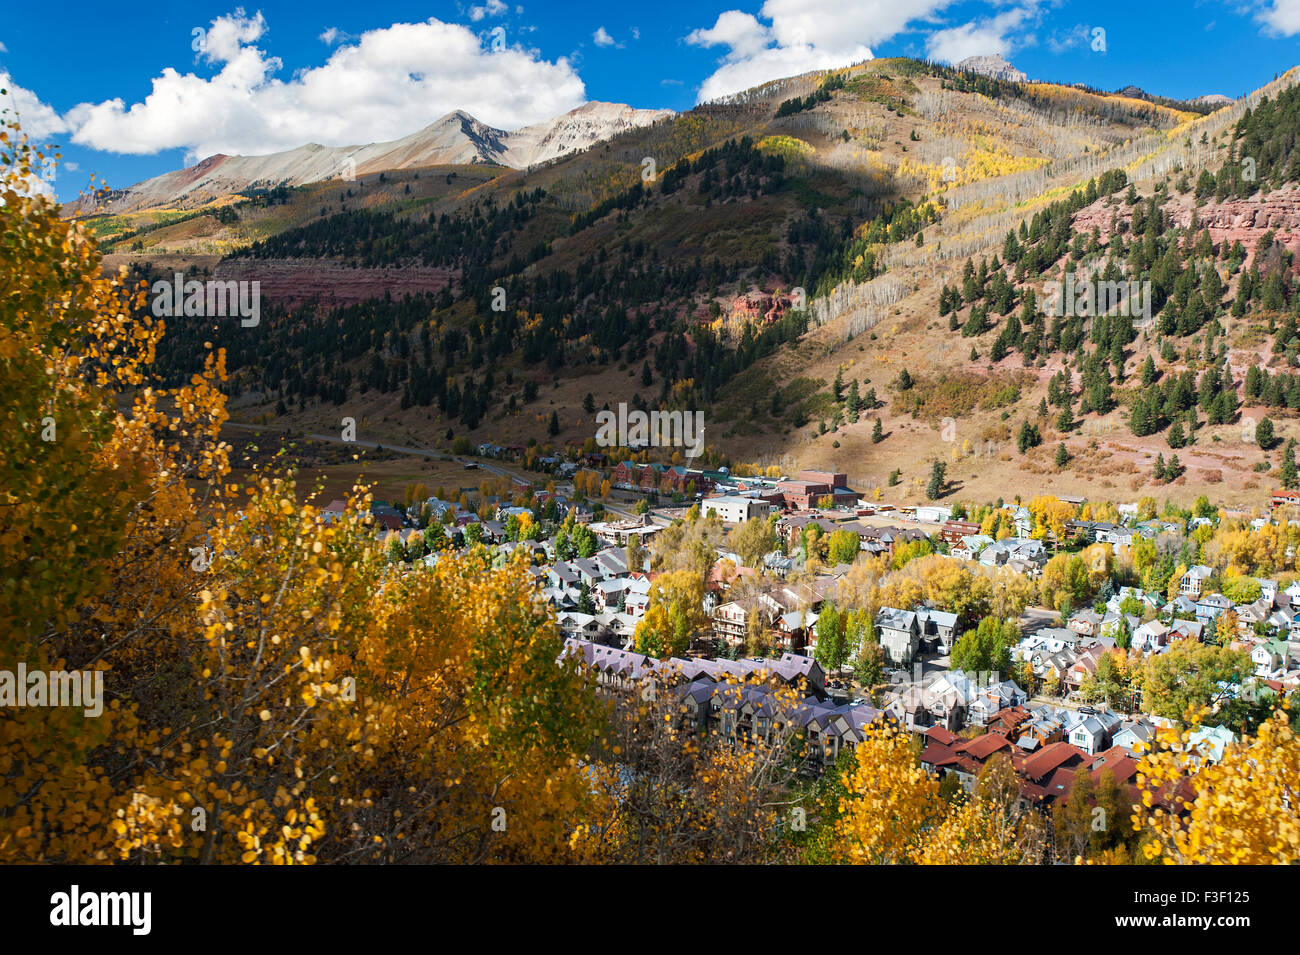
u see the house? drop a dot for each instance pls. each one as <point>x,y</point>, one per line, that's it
<point>1259,612</point>
<point>1210,606</point>
<point>937,627</point>
<point>1008,721</point>
<point>1284,498</point>
<point>1113,623</point>
<point>1151,637</point>
<point>995,698</point>
<point>1121,765</point>
<point>1115,535</point>
<point>386,516</point>
<point>606,593</point>
<point>1269,658</point>
<point>1091,730</point>
<point>1046,725</point>
<point>1187,630</point>
<point>1210,742</point>
<point>899,634</point>
<point>612,562</point>
<point>1189,585</point>
<point>778,563</point>
<point>1047,773</point>
<point>1135,735</point>
<point>795,630</point>
<point>1085,665</point>
<point>1014,549</point>
<point>731,622</point>
<point>580,625</point>
<point>1085,622</point>
<point>972,755</point>
<point>970,546</point>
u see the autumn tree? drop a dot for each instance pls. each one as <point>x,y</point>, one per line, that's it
<point>1237,811</point>
<point>274,692</point>
<point>752,540</point>
<point>1190,676</point>
<point>674,616</point>
<point>890,803</point>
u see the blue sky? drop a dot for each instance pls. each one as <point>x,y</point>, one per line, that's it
<point>157,86</point>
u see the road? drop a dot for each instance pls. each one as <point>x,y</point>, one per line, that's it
<point>491,468</point>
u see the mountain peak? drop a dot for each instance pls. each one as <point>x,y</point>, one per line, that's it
<point>993,65</point>
<point>453,139</point>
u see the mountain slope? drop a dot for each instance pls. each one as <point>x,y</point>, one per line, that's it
<point>868,189</point>
<point>455,139</point>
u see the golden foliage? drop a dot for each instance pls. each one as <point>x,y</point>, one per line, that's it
<point>1238,811</point>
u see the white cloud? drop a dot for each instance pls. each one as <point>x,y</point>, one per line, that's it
<point>741,74</point>
<point>803,35</point>
<point>334,35</point>
<point>386,84</point>
<point>1281,17</point>
<point>38,120</point>
<point>602,38</point>
<point>977,38</point>
<point>740,31</point>
<point>493,8</point>
<point>229,34</point>
<point>832,24</point>
<point>1077,36</point>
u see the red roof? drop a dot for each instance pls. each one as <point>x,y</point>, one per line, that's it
<point>1050,758</point>
<point>938,734</point>
<point>982,747</point>
<point>936,754</point>
<point>1118,761</point>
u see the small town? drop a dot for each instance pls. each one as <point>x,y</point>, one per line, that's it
<point>1059,633</point>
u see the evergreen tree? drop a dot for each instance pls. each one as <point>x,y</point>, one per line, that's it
<point>1264,434</point>
<point>1288,474</point>
<point>877,433</point>
<point>1149,371</point>
<point>934,489</point>
<point>1029,437</point>
<point>854,403</point>
<point>1065,421</point>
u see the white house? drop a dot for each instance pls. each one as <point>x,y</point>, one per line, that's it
<point>1190,584</point>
